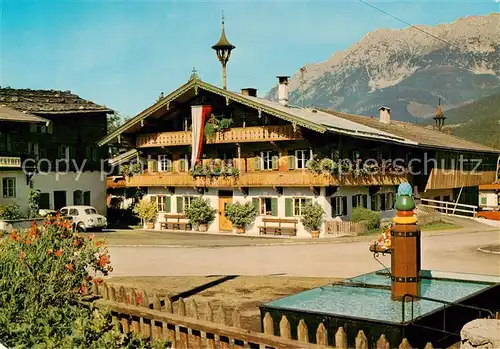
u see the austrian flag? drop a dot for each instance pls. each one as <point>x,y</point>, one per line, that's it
<point>198,114</point>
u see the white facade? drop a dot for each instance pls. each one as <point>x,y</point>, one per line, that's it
<point>66,184</point>
<point>288,193</point>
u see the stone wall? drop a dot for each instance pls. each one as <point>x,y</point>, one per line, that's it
<point>481,334</point>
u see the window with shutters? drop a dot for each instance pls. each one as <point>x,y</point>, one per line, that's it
<point>5,142</point>
<point>360,200</point>
<point>268,160</point>
<point>63,152</point>
<point>164,163</point>
<point>301,157</point>
<point>299,204</point>
<point>268,206</point>
<point>9,187</point>
<point>91,153</point>
<point>33,148</point>
<point>339,205</point>
<point>187,201</point>
<point>162,203</point>
<point>382,201</point>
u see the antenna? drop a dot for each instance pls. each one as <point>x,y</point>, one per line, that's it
<point>302,81</point>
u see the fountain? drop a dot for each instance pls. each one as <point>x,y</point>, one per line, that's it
<point>402,301</point>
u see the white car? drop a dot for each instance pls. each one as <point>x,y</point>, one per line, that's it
<point>84,217</point>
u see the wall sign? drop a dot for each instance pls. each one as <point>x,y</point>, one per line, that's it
<point>8,161</point>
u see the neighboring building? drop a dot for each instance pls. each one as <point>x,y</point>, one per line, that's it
<point>260,151</point>
<point>45,130</point>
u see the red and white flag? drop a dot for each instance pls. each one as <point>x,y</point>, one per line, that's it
<point>198,114</point>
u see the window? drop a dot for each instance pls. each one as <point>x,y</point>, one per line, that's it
<point>382,201</point>
<point>64,211</point>
<point>299,204</point>
<point>163,203</point>
<point>33,148</point>
<point>77,197</point>
<point>73,212</point>
<point>266,206</point>
<point>268,160</point>
<point>90,211</point>
<point>34,128</point>
<point>9,187</point>
<point>5,142</point>
<point>164,163</point>
<point>86,198</point>
<point>339,205</point>
<point>360,200</point>
<point>183,202</point>
<point>63,152</point>
<point>301,157</point>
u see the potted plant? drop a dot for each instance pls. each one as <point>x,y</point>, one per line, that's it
<point>240,215</point>
<point>200,213</point>
<point>312,217</point>
<point>147,211</point>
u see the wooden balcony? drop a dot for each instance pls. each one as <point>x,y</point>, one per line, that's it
<point>300,178</point>
<point>447,179</point>
<point>233,135</point>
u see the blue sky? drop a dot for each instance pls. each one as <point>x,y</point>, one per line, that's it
<point>124,53</point>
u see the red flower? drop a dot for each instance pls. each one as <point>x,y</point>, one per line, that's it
<point>69,267</point>
<point>103,260</point>
<point>49,251</point>
<point>22,255</point>
<point>139,298</point>
<point>58,253</point>
<point>98,280</point>
<point>28,241</point>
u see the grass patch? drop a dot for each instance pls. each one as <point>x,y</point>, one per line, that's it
<point>439,225</point>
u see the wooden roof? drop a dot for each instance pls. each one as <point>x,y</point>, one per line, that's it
<point>8,114</point>
<point>317,120</point>
<point>47,101</point>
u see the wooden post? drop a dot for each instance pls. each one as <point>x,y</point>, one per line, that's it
<point>285,330</point>
<point>122,295</point>
<point>236,317</point>
<point>429,346</point>
<point>321,335</point>
<point>135,322</point>
<point>169,333</point>
<point>302,332</point>
<point>169,307</point>
<point>112,294</point>
<point>183,338</point>
<point>145,326</point>
<point>268,324</point>
<point>105,291</point>
<point>194,309</point>
<point>383,343</point>
<point>210,340</point>
<point>361,340</point>
<point>340,339</point>
<point>95,289</point>
<point>157,328</point>
<point>181,307</point>
<point>220,315</point>
<point>405,344</point>
<point>209,313</point>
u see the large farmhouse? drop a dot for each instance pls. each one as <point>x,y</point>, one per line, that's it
<point>48,142</point>
<point>203,140</point>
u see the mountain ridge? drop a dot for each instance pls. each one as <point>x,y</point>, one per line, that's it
<point>407,70</point>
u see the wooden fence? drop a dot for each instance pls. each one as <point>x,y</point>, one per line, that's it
<point>337,227</point>
<point>153,316</point>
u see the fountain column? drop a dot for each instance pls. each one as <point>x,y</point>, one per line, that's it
<point>405,247</point>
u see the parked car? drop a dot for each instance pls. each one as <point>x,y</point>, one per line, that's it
<point>492,214</point>
<point>84,217</point>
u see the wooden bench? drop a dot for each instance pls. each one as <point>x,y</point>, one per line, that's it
<point>279,226</point>
<point>175,221</point>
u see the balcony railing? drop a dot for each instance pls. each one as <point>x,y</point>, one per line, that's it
<point>295,178</point>
<point>232,135</point>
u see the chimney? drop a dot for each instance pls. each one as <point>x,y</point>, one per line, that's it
<point>385,115</point>
<point>249,91</point>
<point>283,90</point>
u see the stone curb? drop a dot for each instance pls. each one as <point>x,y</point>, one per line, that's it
<point>485,250</point>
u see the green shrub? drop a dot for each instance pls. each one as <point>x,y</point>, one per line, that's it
<point>146,210</point>
<point>34,203</point>
<point>241,214</point>
<point>44,271</point>
<point>372,218</point>
<point>312,216</point>
<point>11,211</point>
<point>200,212</point>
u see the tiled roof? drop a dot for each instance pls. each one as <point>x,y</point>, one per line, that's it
<point>424,136</point>
<point>47,101</point>
<point>8,114</point>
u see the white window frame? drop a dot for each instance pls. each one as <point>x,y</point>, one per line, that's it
<point>301,204</point>
<point>9,187</point>
<point>266,158</point>
<point>161,202</point>
<point>33,148</point>
<point>263,209</point>
<point>163,162</point>
<point>339,205</point>
<point>186,201</point>
<point>301,158</point>
<point>359,200</point>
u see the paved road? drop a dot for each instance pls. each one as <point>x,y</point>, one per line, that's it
<point>450,252</point>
